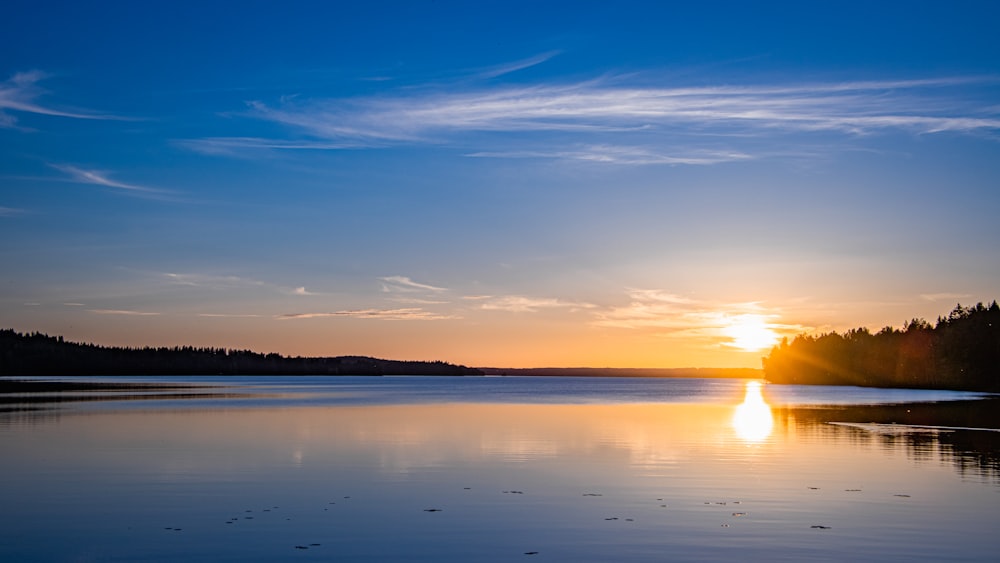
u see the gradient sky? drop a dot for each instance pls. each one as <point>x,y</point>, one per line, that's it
<point>495,183</point>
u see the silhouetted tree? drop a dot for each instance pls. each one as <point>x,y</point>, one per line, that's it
<point>962,351</point>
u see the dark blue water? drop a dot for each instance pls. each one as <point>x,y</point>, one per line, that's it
<point>492,469</point>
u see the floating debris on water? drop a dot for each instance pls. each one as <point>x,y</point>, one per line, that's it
<point>819,527</point>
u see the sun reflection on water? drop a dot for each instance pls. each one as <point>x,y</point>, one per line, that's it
<point>753,420</point>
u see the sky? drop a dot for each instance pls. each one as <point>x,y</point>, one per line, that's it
<point>503,184</point>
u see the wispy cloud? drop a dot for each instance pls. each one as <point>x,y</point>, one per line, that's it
<point>10,211</point>
<point>236,146</point>
<point>20,94</point>
<point>669,314</point>
<point>211,281</point>
<point>855,107</point>
<point>522,304</point>
<point>944,296</point>
<point>405,314</point>
<point>611,154</point>
<point>99,178</point>
<point>122,312</point>
<point>230,315</point>
<point>653,309</point>
<point>396,284</point>
<point>217,282</point>
<point>419,301</point>
<point>611,122</point>
<point>500,70</point>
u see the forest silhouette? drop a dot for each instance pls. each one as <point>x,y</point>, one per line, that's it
<point>41,354</point>
<point>961,351</point>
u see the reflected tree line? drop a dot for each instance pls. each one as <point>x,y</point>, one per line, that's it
<point>961,351</point>
<point>41,354</point>
<point>970,452</point>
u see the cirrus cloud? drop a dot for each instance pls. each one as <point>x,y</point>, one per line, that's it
<point>125,312</point>
<point>668,314</point>
<point>20,94</point>
<point>404,314</point>
<point>395,284</point>
<point>523,304</point>
<point>856,107</point>
<point>618,121</point>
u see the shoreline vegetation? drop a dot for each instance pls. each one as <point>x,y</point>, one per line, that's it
<point>39,354</point>
<point>961,352</point>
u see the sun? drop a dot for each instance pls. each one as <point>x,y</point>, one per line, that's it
<point>750,332</point>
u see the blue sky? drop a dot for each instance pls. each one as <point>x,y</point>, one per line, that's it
<point>495,183</point>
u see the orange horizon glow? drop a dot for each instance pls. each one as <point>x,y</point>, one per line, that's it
<point>653,331</point>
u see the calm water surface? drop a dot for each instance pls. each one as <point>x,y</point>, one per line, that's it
<point>497,469</point>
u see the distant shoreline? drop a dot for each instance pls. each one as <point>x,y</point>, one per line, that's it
<point>39,354</point>
<point>708,373</point>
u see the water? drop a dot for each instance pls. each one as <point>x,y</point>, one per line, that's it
<point>497,469</point>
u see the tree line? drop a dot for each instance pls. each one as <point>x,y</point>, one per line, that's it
<point>41,354</point>
<point>960,351</point>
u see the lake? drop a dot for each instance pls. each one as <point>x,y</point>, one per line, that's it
<point>494,469</point>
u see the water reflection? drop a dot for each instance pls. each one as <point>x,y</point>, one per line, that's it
<point>493,481</point>
<point>753,420</point>
<point>962,435</point>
